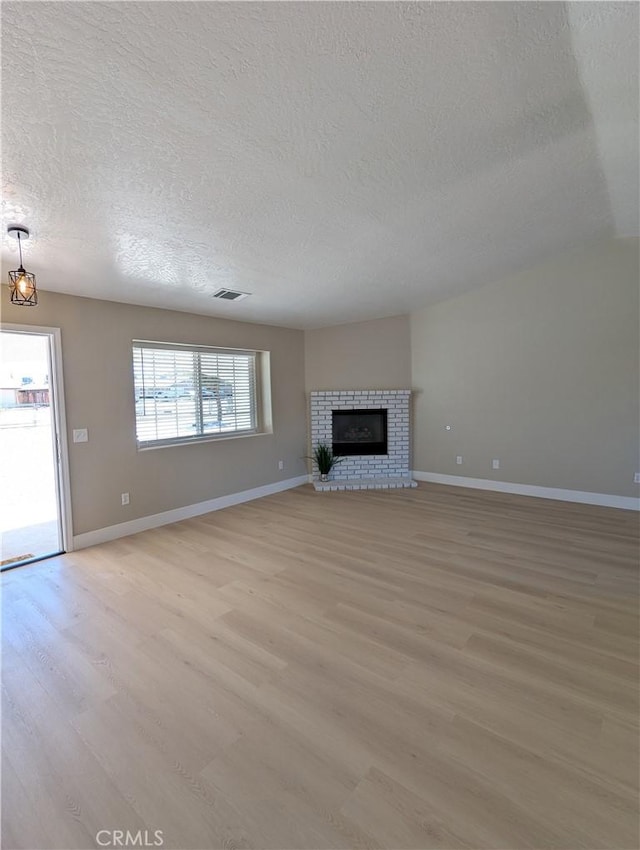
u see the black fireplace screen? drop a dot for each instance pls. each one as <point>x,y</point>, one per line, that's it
<point>359,432</point>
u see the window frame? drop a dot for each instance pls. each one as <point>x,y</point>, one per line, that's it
<point>255,394</point>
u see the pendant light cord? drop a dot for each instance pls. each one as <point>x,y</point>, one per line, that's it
<point>20,246</point>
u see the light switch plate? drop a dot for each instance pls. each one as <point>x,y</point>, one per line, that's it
<point>80,435</point>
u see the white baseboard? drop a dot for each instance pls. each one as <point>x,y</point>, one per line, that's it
<point>124,529</point>
<point>607,500</point>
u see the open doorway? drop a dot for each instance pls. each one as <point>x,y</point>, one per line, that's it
<point>32,476</point>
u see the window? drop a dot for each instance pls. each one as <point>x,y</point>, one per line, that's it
<point>185,393</point>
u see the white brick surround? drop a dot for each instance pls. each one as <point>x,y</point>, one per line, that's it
<point>358,472</point>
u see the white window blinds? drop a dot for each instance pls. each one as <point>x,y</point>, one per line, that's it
<point>185,392</point>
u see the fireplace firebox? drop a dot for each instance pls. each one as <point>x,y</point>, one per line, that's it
<point>359,432</point>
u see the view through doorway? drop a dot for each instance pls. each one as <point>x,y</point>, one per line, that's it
<point>30,480</point>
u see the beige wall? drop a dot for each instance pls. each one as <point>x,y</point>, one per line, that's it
<point>96,349</point>
<point>539,370</point>
<point>359,356</point>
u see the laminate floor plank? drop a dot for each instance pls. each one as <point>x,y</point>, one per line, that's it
<point>424,669</point>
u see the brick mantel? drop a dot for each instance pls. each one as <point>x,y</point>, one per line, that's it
<point>365,471</point>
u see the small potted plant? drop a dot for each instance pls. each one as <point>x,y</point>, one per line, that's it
<point>325,460</point>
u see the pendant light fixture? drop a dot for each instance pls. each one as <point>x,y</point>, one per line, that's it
<point>22,283</point>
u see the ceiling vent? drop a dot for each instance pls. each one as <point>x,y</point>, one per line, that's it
<point>231,295</point>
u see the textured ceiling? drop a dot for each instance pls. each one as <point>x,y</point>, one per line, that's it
<point>340,161</point>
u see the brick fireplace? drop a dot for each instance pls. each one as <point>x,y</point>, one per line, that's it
<point>335,420</point>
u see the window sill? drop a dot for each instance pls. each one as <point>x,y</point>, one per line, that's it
<point>194,441</point>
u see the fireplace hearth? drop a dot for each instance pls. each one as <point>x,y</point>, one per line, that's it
<point>359,432</point>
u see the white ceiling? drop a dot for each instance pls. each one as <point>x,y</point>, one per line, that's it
<point>340,161</point>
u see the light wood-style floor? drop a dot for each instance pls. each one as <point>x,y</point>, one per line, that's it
<point>430,668</point>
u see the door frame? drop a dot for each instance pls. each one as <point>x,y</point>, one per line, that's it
<point>56,384</point>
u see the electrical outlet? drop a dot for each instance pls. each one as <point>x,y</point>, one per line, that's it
<point>125,498</point>
<point>495,463</point>
<point>636,478</point>
<point>280,464</point>
<point>80,435</point>
<point>458,459</point>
